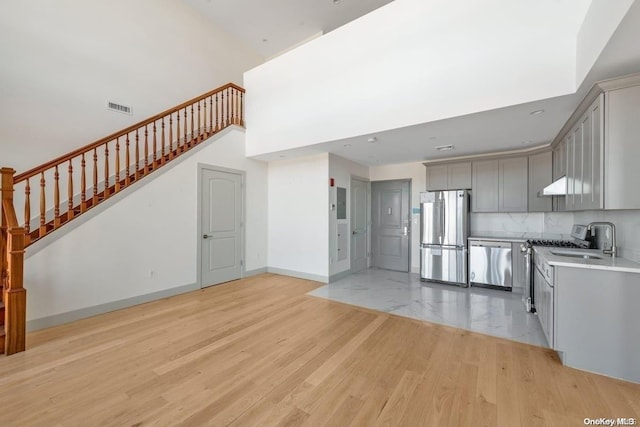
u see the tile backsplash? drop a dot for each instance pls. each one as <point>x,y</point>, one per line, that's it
<point>558,225</point>
<point>553,224</point>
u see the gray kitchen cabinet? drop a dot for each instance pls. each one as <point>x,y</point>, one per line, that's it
<point>592,148</point>
<point>596,318</point>
<point>512,194</point>
<point>517,266</point>
<point>437,177</point>
<point>622,149</point>
<point>485,182</point>
<point>574,172</point>
<point>601,147</point>
<point>560,170</point>
<point>585,143</point>
<point>560,160</point>
<point>540,175</point>
<point>452,176</point>
<point>499,185</point>
<point>459,176</point>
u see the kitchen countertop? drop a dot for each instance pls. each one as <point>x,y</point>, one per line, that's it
<point>606,263</point>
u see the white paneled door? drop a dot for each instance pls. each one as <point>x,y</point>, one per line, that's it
<point>221,226</point>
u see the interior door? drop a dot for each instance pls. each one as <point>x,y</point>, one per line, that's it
<point>221,226</point>
<point>391,224</point>
<point>359,224</point>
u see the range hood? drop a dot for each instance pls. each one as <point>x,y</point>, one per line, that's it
<point>556,188</point>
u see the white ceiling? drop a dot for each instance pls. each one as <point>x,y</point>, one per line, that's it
<point>285,23</point>
<point>272,26</point>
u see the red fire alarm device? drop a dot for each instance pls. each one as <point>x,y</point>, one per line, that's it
<point>331,182</point>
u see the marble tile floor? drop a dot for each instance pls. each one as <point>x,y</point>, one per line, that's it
<point>487,311</point>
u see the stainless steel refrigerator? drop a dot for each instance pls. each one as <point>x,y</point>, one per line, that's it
<point>444,228</point>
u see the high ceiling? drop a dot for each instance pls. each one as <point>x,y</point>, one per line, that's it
<point>272,26</point>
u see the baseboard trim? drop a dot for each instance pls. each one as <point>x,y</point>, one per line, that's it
<point>255,272</point>
<point>71,316</point>
<point>298,274</point>
<point>338,276</point>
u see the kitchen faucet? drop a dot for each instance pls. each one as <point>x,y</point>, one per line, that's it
<point>613,250</point>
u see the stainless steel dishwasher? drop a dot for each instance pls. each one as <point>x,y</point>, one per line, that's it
<point>490,264</point>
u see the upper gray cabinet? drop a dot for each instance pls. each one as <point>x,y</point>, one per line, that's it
<point>622,148</point>
<point>484,196</point>
<point>513,185</point>
<point>540,175</point>
<point>600,148</point>
<point>499,185</point>
<point>584,160</point>
<point>560,170</point>
<point>451,176</point>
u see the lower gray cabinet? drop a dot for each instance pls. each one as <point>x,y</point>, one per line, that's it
<point>517,266</point>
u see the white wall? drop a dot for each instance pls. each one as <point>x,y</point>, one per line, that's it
<point>601,20</point>
<point>108,257</point>
<point>410,62</point>
<point>417,173</point>
<point>298,212</point>
<point>61,61</point>
<point>341,170</point>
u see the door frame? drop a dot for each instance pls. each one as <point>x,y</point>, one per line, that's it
<point>410,239</point>
<point>368,208</point>
<point>243,201</point>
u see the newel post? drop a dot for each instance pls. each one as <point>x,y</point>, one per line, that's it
<point>15,296</point>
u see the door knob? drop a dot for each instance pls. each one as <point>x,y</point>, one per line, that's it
<point>354,232</point>
<point>206,236</point>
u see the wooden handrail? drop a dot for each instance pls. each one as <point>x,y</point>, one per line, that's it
<point>65,158</point>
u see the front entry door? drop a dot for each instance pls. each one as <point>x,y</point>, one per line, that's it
<point>391,222</point>
<point>359,224</point>
<point>221,226</point>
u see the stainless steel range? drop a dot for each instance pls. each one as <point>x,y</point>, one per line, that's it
<point>581,238</point>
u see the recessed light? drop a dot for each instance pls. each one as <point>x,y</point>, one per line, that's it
<point>372,139</point>
<point>536,112</point>
<point>433,137</point>
<point>282,156</point>
<point>444,147</point>
<point>347,145</point>
<point>526,142</point>
<point>265,40</point>
<point>336,1</point>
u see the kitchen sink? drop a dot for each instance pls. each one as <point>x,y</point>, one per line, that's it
<point>575,254</point>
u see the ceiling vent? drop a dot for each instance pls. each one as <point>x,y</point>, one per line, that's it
<point>119,108</point>
<point>444,147</point>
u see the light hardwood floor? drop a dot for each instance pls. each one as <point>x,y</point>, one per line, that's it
<point>260,352</point>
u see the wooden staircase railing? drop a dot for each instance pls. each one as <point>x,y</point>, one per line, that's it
<point>70,185</point>
<point>14,296</point>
